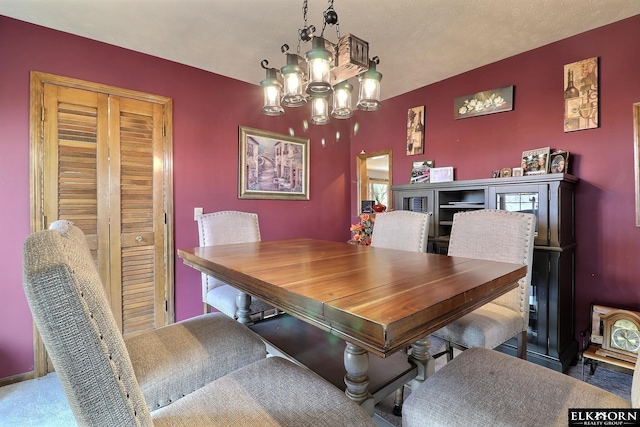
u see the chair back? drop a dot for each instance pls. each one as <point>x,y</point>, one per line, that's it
<point>70,310</point>
<point>403,230</point>
<point>225,228</point>
<point>497,235</point>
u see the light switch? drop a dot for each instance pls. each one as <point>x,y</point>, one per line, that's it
<point>196,213</point>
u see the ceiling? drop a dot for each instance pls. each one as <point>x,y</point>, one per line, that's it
<point>434,39</point>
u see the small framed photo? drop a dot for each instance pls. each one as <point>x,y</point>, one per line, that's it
<point>421,171</point>
<point>559,162</point>
<point>505,173</point>
<point>535,162</point>
<point>442,174</point>
<point>517,172</point>
<point>495,174</point>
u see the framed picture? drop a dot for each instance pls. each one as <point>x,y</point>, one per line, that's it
<point>481,103</point>
<point>420,171</point>
<point>559,162</point>
<point>415,131</point>
<point>272,165</point>
<point>495,174</point>
<point>505,173</point>
<point>442,174</point>
<point>517,172</point>
<point>535,162</point>
<point>581,95</point>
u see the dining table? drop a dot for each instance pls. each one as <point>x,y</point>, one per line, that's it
<point>379,301</point>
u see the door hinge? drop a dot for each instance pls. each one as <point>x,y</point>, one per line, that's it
<point>166,305</point>
<point>164,130</point>
<point>42,114</point>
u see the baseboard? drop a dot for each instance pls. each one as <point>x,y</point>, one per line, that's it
<point>17,378</point>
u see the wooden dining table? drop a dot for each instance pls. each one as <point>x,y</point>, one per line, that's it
<point>379,301</point>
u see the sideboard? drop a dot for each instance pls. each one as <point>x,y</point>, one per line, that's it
<point>550,339</point>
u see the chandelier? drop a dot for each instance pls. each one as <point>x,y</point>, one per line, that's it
<point>324,70</point>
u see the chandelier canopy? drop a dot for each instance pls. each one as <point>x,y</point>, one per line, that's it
<point>324,70</point>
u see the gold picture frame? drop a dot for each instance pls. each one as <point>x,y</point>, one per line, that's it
<point>272,165</point>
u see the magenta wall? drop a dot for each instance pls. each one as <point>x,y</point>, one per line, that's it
<point>205,153</point>
<point>607,269</point>
<point>206,119</point>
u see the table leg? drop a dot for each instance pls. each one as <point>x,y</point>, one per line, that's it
<point>422,358</point>
<point>243,301</point>
<point>356,364</point>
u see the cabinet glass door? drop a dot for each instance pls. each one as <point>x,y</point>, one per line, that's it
<point>524,198</point>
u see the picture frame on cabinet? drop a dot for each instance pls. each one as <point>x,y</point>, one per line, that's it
<point>272,165</point>
<point>444,174</point>
<point>505,173</point>
<point>421,171</point>
<point>535,162</point>
<point>517,172</point>
<point>559,162</point>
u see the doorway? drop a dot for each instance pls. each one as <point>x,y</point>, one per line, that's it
<point>375,173</point>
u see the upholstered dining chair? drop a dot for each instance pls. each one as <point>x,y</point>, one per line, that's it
<point>406,231</point>
<point>482,387</point>
<point>206,371</point>
<point>402,230</point>
<point>224,228</point>
<point>495,235</point>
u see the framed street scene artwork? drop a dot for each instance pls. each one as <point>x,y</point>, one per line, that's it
<point>272,165</point>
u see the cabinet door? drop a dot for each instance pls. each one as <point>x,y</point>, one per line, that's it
<point>525,198</point>
<point>417,201</point>
<point>538,332</point>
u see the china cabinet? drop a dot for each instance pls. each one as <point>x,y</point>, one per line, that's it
<point>551,340</point>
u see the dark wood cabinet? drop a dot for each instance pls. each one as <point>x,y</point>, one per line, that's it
<point>551,340</point>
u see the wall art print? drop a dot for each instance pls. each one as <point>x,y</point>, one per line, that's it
<point>581,95</point>
<point>272,165</point>
<point>415,131</point>
<point>482,103</point>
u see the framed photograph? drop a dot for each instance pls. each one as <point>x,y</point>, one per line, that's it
<point>481,103</point>
<point>495,174</point>
<point>559,162</point>
<point>581,96</point>
<point>420,171</point>
<point>442,174</point>
<point>415,131</point>
<point>535,162</point>
<point>505,173</point>
<point>517,172</point>
<point>272,165</point>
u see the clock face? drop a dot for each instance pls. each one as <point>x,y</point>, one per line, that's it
<point>625,336</point>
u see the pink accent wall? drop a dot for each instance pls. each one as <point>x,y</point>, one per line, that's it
<point>206,120</point>
<point>207,114</point>
<point>607,267</point>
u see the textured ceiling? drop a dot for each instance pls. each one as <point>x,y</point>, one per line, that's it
<point>434,39</point>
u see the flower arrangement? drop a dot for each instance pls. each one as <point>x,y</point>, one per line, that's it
<point>362,231</point>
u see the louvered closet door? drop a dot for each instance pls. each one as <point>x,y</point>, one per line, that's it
<point>137,220</point>
<point>75,176</point>
<point>103,170</point>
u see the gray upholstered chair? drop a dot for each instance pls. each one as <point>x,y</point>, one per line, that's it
<point>495,235</point>
<point>205,371</point>
<point>224,228</point>
<point>481,387</point>
<point>403,230</point>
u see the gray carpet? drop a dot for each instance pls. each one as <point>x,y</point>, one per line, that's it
<point>41,402</point>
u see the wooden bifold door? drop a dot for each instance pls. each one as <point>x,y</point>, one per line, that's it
<point>101,157</point>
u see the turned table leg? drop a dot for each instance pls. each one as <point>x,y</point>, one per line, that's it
<point>422,358</point>
<point>356,364</point>
<point>243,301</point>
